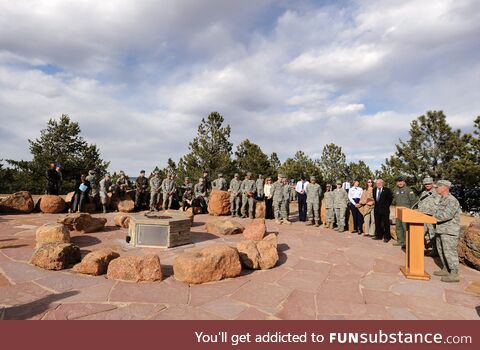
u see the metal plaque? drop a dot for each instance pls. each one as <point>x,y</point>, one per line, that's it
<point>152,235</point>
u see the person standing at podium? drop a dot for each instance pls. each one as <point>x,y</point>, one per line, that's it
<point>426,204</point>
<point>447,213</point>
<point>402,197</point>
<point>383,199</point>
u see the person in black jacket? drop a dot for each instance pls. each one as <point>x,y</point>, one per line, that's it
<point>82,190</point>
<point>383,199</point>
<point>53,177</point>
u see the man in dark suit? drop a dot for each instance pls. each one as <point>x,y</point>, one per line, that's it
<point>383,199</point>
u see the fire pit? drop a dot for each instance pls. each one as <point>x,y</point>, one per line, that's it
<point>155,230</point>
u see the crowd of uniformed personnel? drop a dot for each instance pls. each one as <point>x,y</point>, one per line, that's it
<point>369,206</point>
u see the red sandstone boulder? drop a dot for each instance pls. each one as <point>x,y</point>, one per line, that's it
<point>135,268</point>
<point>469,245</point>
<point>122,220</point>
<point>212,263</point>
<point>96,263</point>
<point>83,222</point>
<point>256,230</point>
<point>55,256</point>
<point>259,254</point>
<point>69,198</point>
<point>51,204</point>
<point>219,203</point>
<point>126,206</point>
<point>260,210</point>
<point>224,227</point>
<point>52,233</point>
<point>17,203</point>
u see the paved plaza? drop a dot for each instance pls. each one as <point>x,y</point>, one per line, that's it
<point>321,274</point>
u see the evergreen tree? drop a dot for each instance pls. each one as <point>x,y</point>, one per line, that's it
<point>275,163</point>
<point>250,158</point>
<point>301,164</point>
<point>359,170</point>
<point>333,163</point>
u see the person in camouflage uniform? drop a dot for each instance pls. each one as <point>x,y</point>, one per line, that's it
<point>329,207</point>
<point>447,229</point>
<point>141,185</point>
<point>105,187</point>
<point>200,194</point>
<point>220,183</point>
<point>259,185</point>
<point>287,195</point>
<point>168,191</point>
<point>155,187</point>
<point>122,185</point>
<point>235,193</point>
<point>277,194</point>
<point>92,178</point>
<point>340,203</point>
<point>187,198</point>
<point>314,193</point>
<point>403,196</point>
<point>426,204</point>
<point>248,189</point>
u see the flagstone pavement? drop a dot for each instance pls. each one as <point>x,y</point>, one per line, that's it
<point>321,274</point>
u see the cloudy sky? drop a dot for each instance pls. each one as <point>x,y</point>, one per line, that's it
<point>289,75</point>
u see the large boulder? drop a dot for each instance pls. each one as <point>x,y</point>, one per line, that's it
<point>135,268</point>
<point>260,210</point>
<point>255,230</point>
<point>69,198</point>
<point>52,233</point>
<point>224,227</point>
<point>56,256</point>
<point>122,220</point>
<point>219,203</point>
<point>259,254</point>
<point>17,203</point>
<point>125,206</point>
<point>212,263</point>
<point>51,204</point>
<point>96,263</point>
<point>83,222</point>
<point>469,245</point>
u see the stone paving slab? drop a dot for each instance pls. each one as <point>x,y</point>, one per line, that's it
<point>321,274</point>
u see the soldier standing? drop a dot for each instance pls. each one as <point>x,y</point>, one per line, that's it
<point>200,193</point>
<point>235,192</point>
<point>403,196</point>
<point>122,185</point>
<point>207,183</point>
<point>248,189</point>
<point>329,207</point>
<point>141,185</point>
<point>220,184</point>
<point>259,184</point>
<point>426,204</point>
<point>168,190</point>
<point>155,187</point>
<point>92,178</point>
<point>276,193</point>
<point>314,192</point>
<point>287,196</point>
<point>447,213</point>
<point>53,178</point>
<point>340,202</point>
<point>105,187</point>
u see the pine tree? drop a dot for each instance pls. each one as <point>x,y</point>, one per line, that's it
<point>275,163</point>
<point>333,163</point>
<point>301,164</point>
<point>359,170</point>
<point>250,158</point>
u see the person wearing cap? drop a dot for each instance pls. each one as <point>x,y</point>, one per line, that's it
<point>200,194</point>
<point>340,202</point>
<point>105,187</point>
<point>301,189</point>
<point>207,183</point>
<point>287,196</point>
<point>122,185</point>
<point>366,205</point>
<point>187,194</point>
<point>52,177</point>
<point>314,193</point>
<point>259,185</point>
<point>248,190</point>
<point>141,185</point>
<point>220,184</point>
<point>277,201</point>
<point>187,184</point>
<point>92,178</point>
<point>447,213</point>
<point>354,194</point>
<point>403,196</point>
<point>383,200</point>
<point>426,204</point>
<point>155,188</point>
<point>235,193</point>
<point>267,191</point>
<point>168,190</point>
<point>329,207</point>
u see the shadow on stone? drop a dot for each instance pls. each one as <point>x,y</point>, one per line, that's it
<point>198,237</point>
<point>167,271</point>
<point>282,258</point>
<point>37,307</point>
<point>283,247</point>
<point>8,239</point>
<point>110,229</point>
<point>85,241</point>
<point>477,309</point>
<point>13,246</point>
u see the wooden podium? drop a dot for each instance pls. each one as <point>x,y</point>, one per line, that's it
<point>415,265</point>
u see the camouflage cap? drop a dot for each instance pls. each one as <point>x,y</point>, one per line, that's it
<point>329,186</point>
<point>427,181</point>
<point>445,183</point>
<point>400,178</point>
<point>121,172</point>
<point>187,178</point>
<point>156,172</point>
<point>281,175</point>
<point>249,174</point>
<point>313,178</point>
<point>220,175</point>
<point>338,182</point>
<point>236,175</point>
<point>201,179</point>
<point>107,174</point>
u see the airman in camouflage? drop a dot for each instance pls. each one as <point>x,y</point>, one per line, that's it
<point>287,195</point>
<point>426,204</point>
<point>92,178</point>
<point>220,183</point>
<point>259,185</point>
<point>314,193</point>
<point>200,193</point>
<point>340,203</point>
<point>329,207</point>
<point>168,191</point>
<point>277,200</point>
<point>122,185</point>
<point>447,213</point>
<point>105,187</point>
<point>155,188</point>
<point>403,196</point>
<point>141,185</point>
<point>248,189</point>
<point>235,193</point>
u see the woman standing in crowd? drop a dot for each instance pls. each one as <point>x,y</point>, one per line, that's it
<point>367,202</point>
<point>268,198</point>
<point>354,195</point>
<point>82,190</point>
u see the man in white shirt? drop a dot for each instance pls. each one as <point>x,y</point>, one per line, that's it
<point>301,188</point>
<point>354,195</point>
<point>346,186</point>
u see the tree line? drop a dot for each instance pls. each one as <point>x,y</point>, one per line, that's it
<point>433,148</point>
